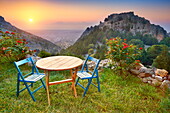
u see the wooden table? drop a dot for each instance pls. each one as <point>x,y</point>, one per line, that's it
<point>59,63</point>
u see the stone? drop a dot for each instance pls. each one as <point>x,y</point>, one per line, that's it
<point>165,84</point>
<point>146,70</point>
<point>142,69</point>
<point>150,82</point>
<point>165,78</point>
<point>134,71</point>
<point>153,76</point>
<point>141,75</point>
<point>149,78</point>
<point>161,72</point>
<point>168,77</point>
<point>145,80</point>
<point>159,78</point>
<point>139,66</point>
<point>155,82</point>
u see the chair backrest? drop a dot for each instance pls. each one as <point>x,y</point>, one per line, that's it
<point>96,61</point>
<point>25,61</point>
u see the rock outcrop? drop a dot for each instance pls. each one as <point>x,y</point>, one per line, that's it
<point>130,23</point>
<point>34,42</point>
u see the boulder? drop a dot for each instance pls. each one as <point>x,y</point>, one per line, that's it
<point>134,71</point>
<point>138,66</point>
<point>168,77</point>
<point>161,72</point>
<point>159,78</point>
<point>165,84</point>
<point>155,82</point>
<point>142,75</point>
<point>145,80</point>
<point>146,70</point>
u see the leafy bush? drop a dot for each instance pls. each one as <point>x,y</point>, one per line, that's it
<point>121,54</point>
<point>43,54</point>
<point>12,47</point>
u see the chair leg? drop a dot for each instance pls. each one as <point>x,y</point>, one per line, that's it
<point>32,96</point>
<point>31,84</point>
<point>18,83</point>
<point>87,87</point>
<point>77,81</point>
<point>98,82</point>
<point>43,84</point>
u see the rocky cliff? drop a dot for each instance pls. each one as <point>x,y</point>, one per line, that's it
<point>130,23</point>
<point>125,25</point>
<point>34,42</point>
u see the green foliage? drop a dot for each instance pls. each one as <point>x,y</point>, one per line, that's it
<point>91,51</point>
<point>91,46</point>
<point>43,54</point>
<point>136,42</point>
<point>155,51</point>
<point>117,95</point>
<point>97,34</point>
<point>12,47</point>
<point>100,52</point>
<point>166,41</point>
<point>162,61</point>
<point>121,54</point>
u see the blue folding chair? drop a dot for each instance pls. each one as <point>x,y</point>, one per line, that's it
<point>85,73</point>
<point>30,78</point>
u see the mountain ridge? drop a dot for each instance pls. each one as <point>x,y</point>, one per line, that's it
<point>34,42</point>
<point>124,25</point>
<point>128,22</point>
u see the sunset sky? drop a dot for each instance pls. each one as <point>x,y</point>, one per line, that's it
<point>79,14</point>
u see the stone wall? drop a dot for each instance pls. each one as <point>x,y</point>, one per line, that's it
<point>152,76</point>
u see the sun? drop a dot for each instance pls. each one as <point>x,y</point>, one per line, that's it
<point>30,20</point>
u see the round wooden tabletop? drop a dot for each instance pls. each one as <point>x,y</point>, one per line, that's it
<point>57,63</point>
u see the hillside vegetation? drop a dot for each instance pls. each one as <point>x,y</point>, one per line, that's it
<point>118,94</point>
<point>136,30</point>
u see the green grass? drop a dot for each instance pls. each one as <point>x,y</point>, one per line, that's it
<point>118,94</point>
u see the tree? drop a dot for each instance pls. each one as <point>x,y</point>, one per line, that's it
<point>155,51</point>
<point>166,41</point>
<point>136,42</point>
<point>162,61</point>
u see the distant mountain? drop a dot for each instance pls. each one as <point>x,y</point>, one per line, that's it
<point>124,25</point>
<point>130,23</point>
<point>34,42</point>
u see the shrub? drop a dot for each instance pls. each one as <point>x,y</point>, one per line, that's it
<point>12,47</point>
<point>122,55</point>
<point>43,54</point>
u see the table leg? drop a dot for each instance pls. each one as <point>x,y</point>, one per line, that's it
<point>47,86</point>
<point>73,82</point>
<point>71,73</point>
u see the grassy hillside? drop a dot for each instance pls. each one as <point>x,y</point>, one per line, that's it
<point>118,94</point>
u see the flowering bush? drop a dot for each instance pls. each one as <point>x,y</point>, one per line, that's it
<point>121,54</point>
<point>12,47</point>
